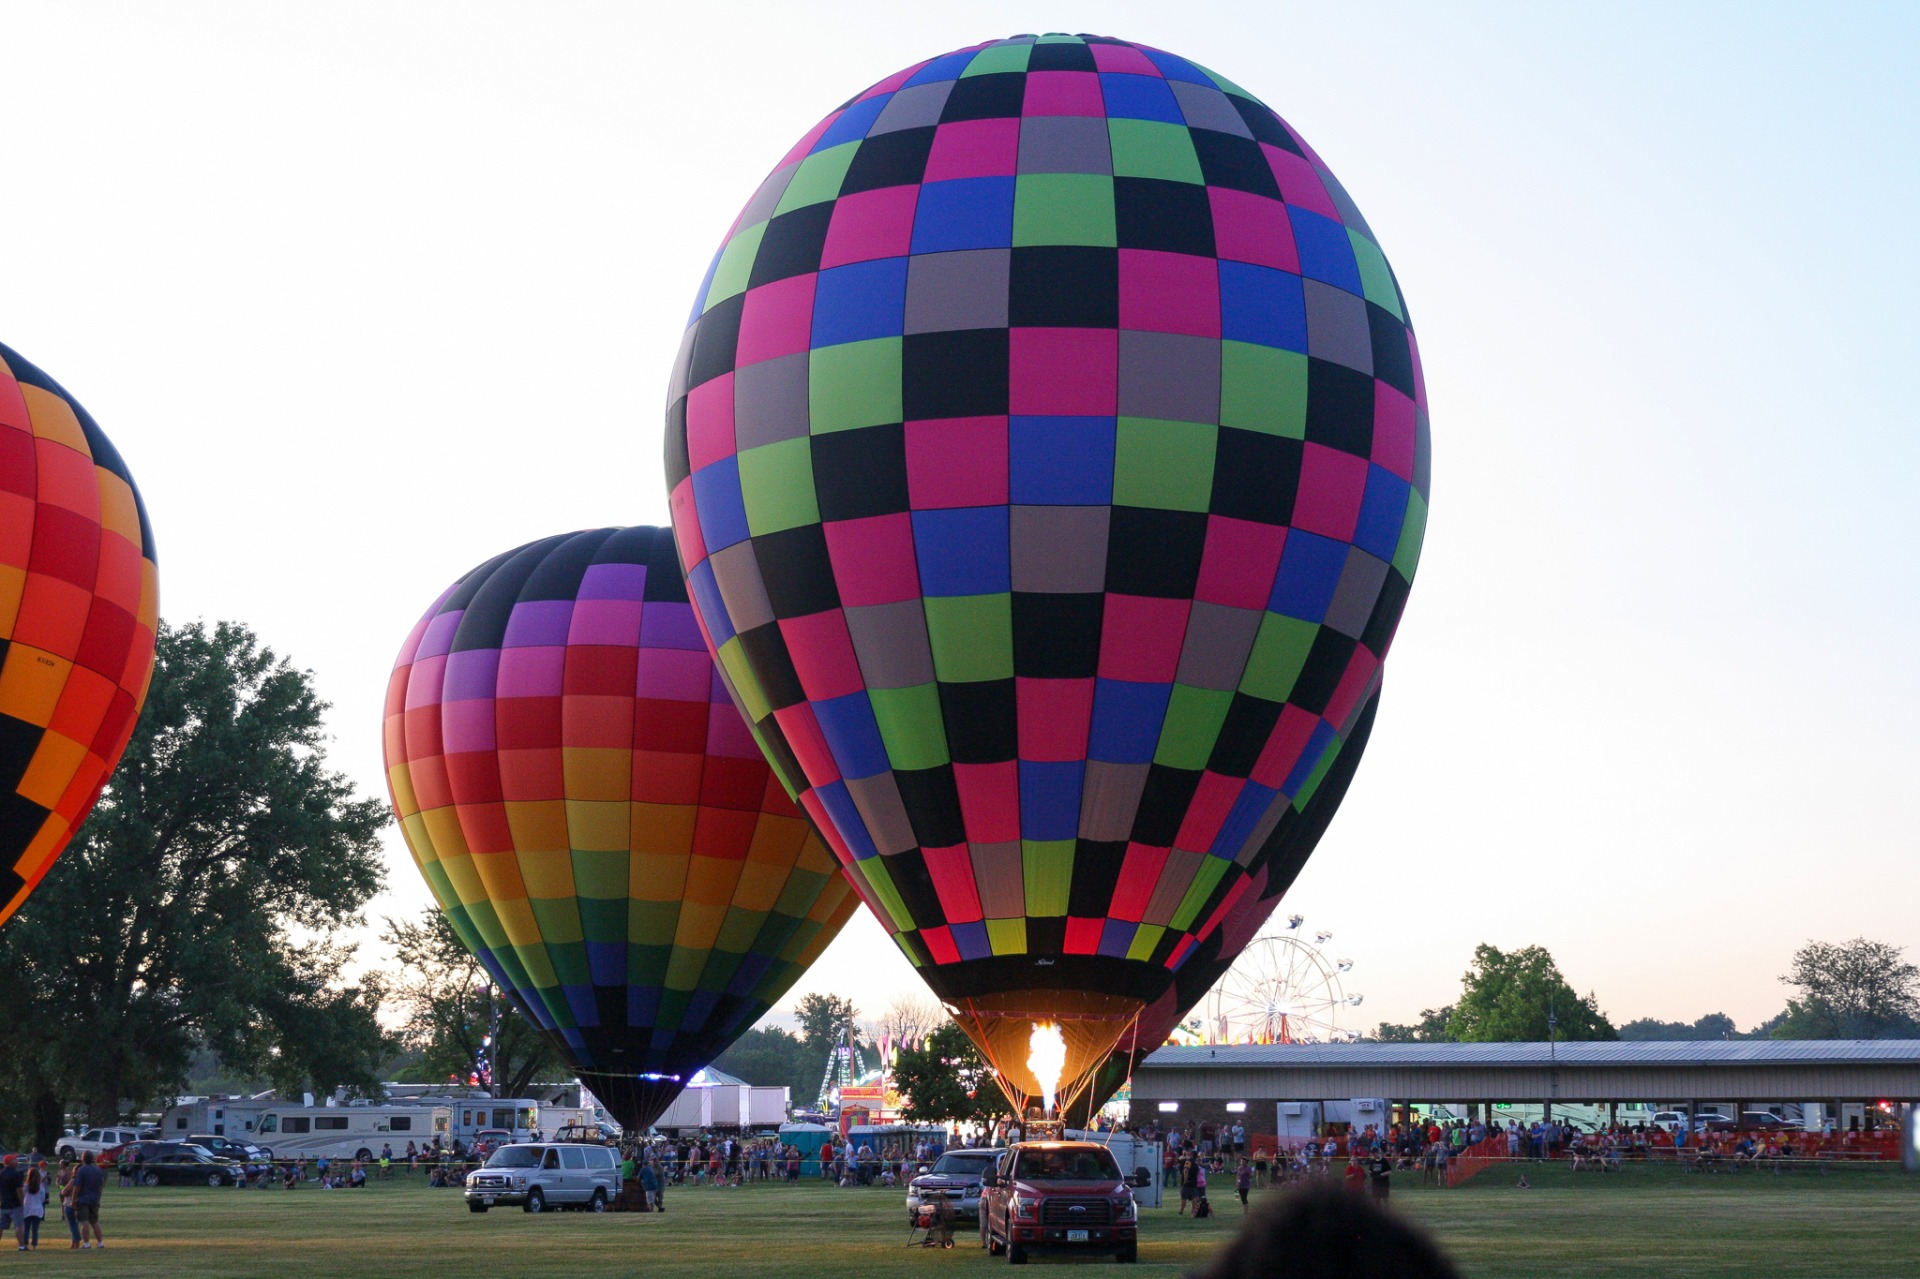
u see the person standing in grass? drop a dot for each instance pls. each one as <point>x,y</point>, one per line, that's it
<point>89,1184</point>
<point>66,1202</point>
<point>12,1181</point>
<point>33,1205</point>
<point>651,1187</point>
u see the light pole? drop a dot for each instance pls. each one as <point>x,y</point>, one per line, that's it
<point>1553,1060</point>
<point>493,1039</point>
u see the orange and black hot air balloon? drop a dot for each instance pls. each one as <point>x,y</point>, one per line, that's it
<point>79,604</point>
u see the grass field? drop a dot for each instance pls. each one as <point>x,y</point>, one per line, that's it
<point>1644,1221</point>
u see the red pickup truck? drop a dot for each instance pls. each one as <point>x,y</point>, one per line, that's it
<point>1058,1196</point>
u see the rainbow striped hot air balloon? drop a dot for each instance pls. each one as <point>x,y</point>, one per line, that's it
<point>594,817</point>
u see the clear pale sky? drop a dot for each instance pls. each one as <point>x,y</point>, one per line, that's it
<point>366,293</point>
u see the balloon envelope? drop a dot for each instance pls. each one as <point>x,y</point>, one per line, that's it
<point>1048,452</point>
<point>79,605</point>
<point>1210,961</point>
<point>592,813</point>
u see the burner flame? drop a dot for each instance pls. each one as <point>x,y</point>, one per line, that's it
<point>1047,1059</point>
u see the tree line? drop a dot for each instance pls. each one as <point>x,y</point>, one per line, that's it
<point>186,942</point>
<point>1857,989</point>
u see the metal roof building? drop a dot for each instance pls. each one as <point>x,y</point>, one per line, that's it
<point>1775,1070</point>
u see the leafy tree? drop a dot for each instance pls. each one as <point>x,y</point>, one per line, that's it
<point>447,1001</point>
<point>1853,990</point>
<point>1431,1028</point>
<point>946,1080</point>
<point>1510,997</point>
<point>1711,1026</point>
<point>824,1020</point>
<point>197,906</point>
<point>774,1057</point>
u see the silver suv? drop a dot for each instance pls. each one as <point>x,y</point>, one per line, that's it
<point>539,1175</point>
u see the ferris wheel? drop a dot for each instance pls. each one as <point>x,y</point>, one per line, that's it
<point>1283,989</point>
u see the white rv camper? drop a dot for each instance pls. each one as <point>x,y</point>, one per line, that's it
<point>349,1132</point>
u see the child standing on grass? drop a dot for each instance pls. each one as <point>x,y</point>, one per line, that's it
<point>1243,1182</point>
<point>66,1202</point>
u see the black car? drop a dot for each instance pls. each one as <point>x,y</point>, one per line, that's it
<point>173,1163</point>
<point>241,1152</point>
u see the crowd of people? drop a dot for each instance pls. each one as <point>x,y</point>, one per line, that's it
<point>1197,1153</point>
<point>723,1160</point>
<point>1365,1159</point>
<point>28,1185</point>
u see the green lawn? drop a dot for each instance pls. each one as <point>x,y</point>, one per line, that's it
<point>1855,1223</point>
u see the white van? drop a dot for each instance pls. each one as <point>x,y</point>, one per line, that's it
<point>550,1174</point>
<point>350,1132</point>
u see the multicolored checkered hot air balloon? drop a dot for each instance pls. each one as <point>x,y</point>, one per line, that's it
<point>594,817</point>
<point>1048,456</point>
<point>79,605</point>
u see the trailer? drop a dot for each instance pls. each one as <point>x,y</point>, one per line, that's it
<point>714,1106</point>
<point>350,1132</point>
<point>766,1106</point>
<point>516,1116</point>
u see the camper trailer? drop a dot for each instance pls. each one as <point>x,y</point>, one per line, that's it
<point>350,1132</point>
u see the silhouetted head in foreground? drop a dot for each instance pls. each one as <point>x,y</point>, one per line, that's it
<point>1327,1233</point>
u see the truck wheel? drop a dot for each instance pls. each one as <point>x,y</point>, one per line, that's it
<point>598,1203</point>
<point>1128,1255</point>
<point>66,1152</point>
<point>1016,1254</point>
<point>536,1202</point>
<point>476,1206</point>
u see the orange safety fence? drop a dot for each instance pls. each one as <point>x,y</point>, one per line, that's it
<point>1469,1163</point>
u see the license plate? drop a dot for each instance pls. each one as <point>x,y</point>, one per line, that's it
<point>486,1201</point>
<point>1076,1236</point>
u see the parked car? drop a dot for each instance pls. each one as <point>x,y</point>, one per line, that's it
<point>240,1152</point>
<point>172,1163</point>
<point>1713,1121</point>
<point>1766,1121</point>
<point>488,1140</point>
<point>538,1175</point>
<point>135,1152</point>
<point>954,1179</point>
<point>96,1140</point>
<point>1065,1196</point>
